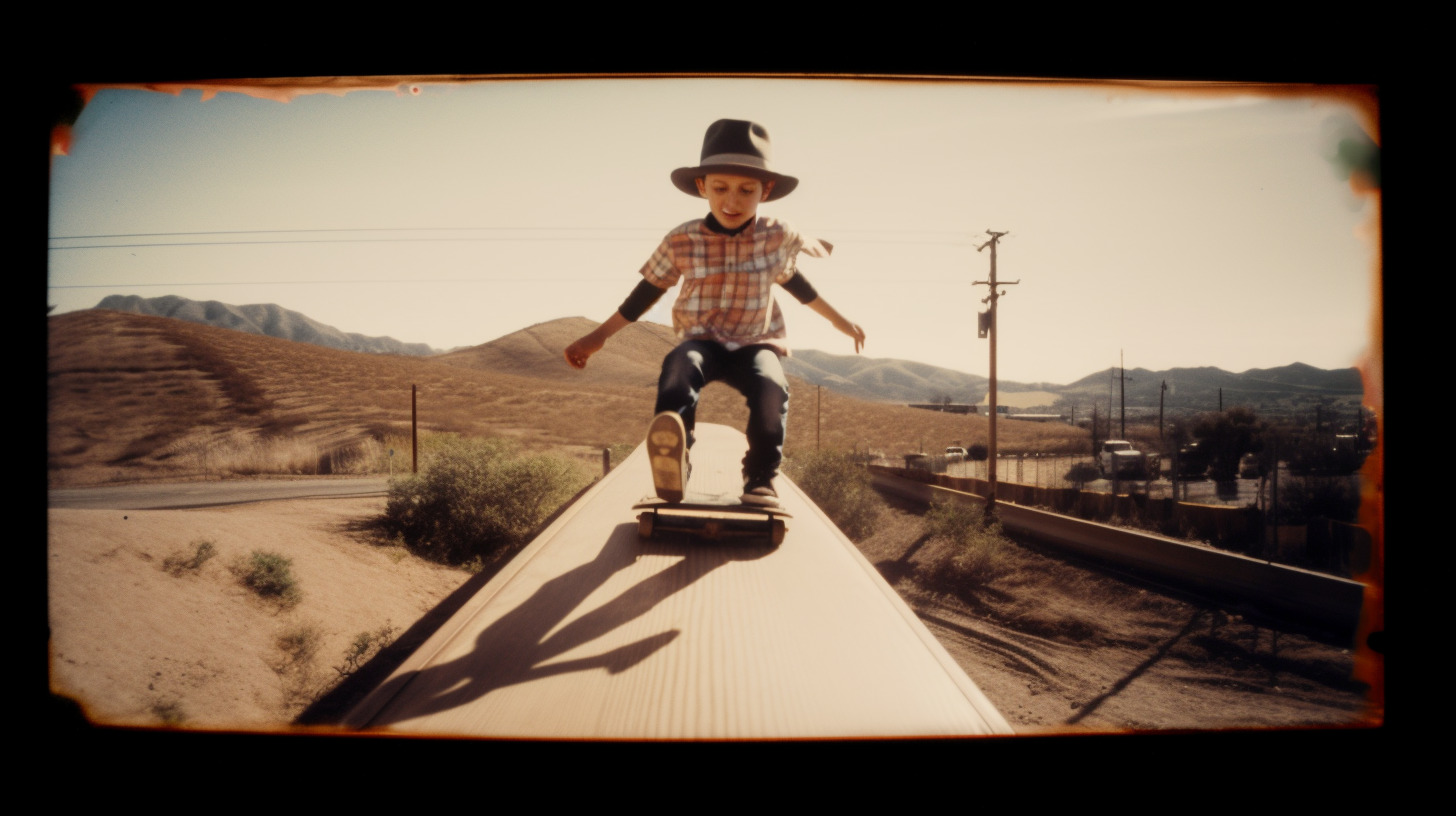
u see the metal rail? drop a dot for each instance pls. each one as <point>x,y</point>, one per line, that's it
<point>1310,598</point>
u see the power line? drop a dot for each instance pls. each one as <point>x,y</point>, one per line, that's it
<point>504,278</point>
<point>479,234</point>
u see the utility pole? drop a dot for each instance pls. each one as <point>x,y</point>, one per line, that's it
<point>987,325</point>
<point>1111,376</point>
<point>1161,392</point>
<point>818,414</point>
<point>1122,395</point>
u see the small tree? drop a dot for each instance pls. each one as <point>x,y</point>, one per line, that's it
<point>1227,436</point>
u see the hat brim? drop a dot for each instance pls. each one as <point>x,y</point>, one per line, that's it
<point>685,178</point>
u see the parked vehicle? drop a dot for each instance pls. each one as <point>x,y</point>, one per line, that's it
<point>955,454</point>
<point>1119,459</point>
<point>1192,462</point>
<point>1250,467</point>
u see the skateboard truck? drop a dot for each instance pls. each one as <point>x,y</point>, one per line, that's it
<point>710,517</point>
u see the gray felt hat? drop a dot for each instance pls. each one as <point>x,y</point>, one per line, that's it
<point>738,148</point>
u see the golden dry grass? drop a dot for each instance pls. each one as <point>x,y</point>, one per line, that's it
<point>139,397</point>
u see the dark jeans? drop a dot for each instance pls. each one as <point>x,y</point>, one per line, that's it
<point>757,374</point>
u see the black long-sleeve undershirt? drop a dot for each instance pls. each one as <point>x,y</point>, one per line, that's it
<point>645,295</point>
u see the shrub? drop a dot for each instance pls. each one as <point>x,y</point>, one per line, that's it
<point>1305,498</point>
<point>364,647</point>
<point>1082,473</point>
<point>977,452</point>
<point>841,488</point>
<point>269,575</point>
<point>178,563</point>
<point>299,646</point>
<point>977,553</point>
<point>169,712</point>
<point>475,499</point>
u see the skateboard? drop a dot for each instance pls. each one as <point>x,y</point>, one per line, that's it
<point>712,516</point>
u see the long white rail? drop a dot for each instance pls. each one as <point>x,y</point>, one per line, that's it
<point>593,633</point>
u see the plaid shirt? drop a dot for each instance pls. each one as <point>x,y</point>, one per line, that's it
<point>726,280</point>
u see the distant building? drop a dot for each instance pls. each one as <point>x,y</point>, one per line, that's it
<point>1038,417</point>
<point>948,407</point>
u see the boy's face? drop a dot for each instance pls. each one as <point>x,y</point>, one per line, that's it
<point>733,199</point>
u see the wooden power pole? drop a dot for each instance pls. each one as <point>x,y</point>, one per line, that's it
<point>988,329</point>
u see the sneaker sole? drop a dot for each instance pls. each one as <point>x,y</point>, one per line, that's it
<point>760,501</point>
<point>666,448</point>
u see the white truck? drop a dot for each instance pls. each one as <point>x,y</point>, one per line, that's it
<point>1118,459</point>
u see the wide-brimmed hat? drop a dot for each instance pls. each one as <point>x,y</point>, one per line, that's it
<point>738,148</point>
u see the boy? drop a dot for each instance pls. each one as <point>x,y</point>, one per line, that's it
<point>730,327</point>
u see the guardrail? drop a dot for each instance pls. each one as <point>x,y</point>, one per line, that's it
<point>1334,548</point>
<point>1325,602</point>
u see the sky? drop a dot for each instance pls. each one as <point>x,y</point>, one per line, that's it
<point>1146,226</point>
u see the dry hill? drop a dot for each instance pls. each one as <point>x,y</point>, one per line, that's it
<point>136,396</point>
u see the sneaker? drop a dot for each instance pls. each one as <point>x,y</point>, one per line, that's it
<point>667,451</point>
<point>760,492</point>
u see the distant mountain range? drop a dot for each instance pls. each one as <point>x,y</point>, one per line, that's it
<point>261,318</point>
<point>536,351</point>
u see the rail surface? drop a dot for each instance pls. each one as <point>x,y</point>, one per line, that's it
<point>1323,601</point>
<point>593,633</point>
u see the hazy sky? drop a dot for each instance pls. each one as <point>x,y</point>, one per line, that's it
<point>1174,228</point>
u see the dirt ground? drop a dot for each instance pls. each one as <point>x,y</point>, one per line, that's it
<point>1080,650</point>
<point>138,644</point>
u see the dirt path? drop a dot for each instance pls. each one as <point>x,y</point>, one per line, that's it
<point>1070,649</point>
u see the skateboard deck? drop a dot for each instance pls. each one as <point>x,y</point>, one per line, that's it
<point>712,516</point>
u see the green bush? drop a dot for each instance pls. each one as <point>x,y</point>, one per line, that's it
<point>977,553</point>
<point>270,575</point>
<point>475,500</point>
<point>841,488</point>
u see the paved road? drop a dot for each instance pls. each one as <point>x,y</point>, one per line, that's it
<point>210,494</point>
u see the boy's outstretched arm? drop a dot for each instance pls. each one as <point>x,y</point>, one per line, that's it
<point>632,308</point>
<point>579,352</point>
<point>829,313</point>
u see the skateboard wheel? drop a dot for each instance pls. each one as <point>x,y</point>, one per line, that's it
<point>776,534</point>
<point>644,525</point>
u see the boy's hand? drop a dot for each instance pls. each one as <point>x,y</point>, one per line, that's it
<point>839,321</point>
<point>579,352</point>
<point>853,330</point>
